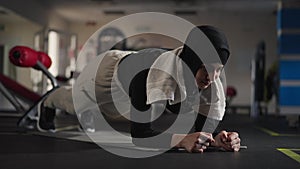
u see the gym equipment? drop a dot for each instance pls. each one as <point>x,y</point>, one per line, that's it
<point>18,106</point>
<point>26,57</point>
<point>257,78</point>
<point>288,102</point>
<point>19,96</point>
<point>15,93</point>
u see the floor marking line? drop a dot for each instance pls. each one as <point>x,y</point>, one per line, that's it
<point>270,132</point>
<point>273,133</point>
<point>290,153</point>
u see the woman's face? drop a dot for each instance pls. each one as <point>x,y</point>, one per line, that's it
<point>207,74</point>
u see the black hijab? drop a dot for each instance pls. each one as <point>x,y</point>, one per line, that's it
<point>216,37</point>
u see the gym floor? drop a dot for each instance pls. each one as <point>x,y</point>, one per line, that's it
<point>271,145</point>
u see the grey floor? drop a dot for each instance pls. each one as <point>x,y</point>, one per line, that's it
<point>263,137</point>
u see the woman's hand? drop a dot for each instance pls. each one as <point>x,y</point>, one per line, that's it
<point>229,141</point>
<point>194,142</point>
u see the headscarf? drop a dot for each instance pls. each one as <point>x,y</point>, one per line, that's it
<point>216,37</point>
